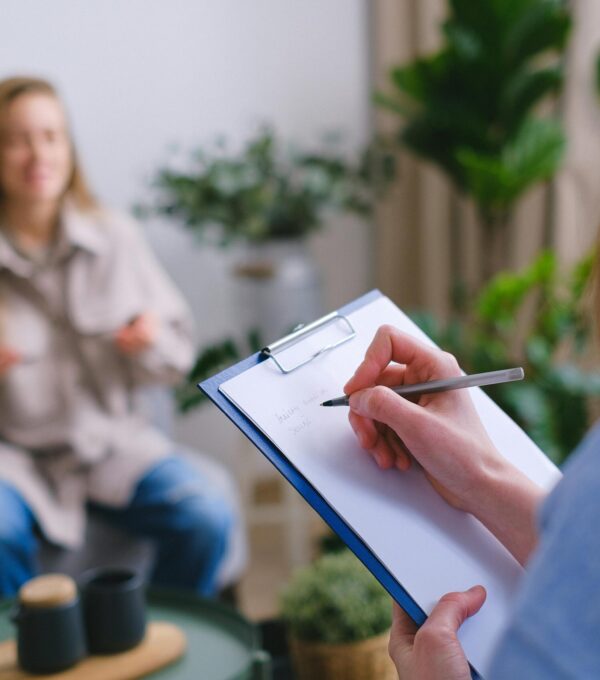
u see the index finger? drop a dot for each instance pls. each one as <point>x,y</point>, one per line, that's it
<point>390,344</point>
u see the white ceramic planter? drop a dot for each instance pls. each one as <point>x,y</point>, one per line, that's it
<point>277,285</point>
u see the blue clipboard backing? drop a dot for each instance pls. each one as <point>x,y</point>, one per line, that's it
<point>352,540</point>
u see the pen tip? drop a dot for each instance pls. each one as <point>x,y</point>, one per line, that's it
<point>326,403</point>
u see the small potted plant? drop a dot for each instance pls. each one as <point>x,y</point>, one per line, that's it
<point>338,618</point>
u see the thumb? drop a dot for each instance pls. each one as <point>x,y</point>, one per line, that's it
<point>382,404</point>
<point>402,638</point>
<point>454,608</point>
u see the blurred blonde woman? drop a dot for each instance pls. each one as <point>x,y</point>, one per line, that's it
<point>87,318</point>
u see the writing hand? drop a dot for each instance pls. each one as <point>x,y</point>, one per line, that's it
<point>443,432</point>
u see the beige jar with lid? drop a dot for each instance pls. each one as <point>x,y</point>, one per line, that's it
<point>50,631</point>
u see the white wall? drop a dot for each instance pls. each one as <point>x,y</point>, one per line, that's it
<point>139,75</point>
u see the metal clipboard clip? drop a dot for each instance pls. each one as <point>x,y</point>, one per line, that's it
<point>303,331</point>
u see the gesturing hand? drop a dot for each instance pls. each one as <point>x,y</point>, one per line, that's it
<point>433,651</point>
<point>8,358</point>
<point>138,334</point>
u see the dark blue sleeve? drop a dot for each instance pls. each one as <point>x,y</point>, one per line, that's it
<point>555,628</point>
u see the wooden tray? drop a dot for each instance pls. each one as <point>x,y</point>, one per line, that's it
<point>164,643</point>
<point>220,642</point>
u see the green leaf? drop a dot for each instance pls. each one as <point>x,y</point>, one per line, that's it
<point>479,17</point>
<point>525,89</point>
<point>497,181</point>
<point>418,79</point>
<point>209,361</point>
<point>530,407</point>
<point>539,352</point>
<point>465,43</point>
<point>582,273</point>
<point>544,26</point>
<point>536,150</point>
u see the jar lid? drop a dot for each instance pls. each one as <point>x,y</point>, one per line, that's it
<point>50,590</point>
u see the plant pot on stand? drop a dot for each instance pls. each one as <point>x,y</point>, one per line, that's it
<point>277,286</point>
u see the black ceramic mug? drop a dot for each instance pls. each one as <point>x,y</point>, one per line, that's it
<point>48,617</point>
<point>114,609</point>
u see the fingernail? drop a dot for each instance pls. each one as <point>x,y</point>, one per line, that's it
<point>474,588</point>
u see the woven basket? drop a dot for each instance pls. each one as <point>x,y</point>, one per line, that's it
<point>363,660</point>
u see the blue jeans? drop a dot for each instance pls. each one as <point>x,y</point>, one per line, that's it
<point>172,505</point>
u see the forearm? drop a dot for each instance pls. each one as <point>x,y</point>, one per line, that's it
<point>505,501</point>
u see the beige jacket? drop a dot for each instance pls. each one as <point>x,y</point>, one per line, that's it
<point>71,428</point>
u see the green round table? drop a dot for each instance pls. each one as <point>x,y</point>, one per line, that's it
<point>221,644</point>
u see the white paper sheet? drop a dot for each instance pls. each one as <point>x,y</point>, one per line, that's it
<point>429,547</point>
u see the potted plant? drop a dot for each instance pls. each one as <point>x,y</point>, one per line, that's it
<point>338,617</point>
<point>472,107</point>
<point>268,199</point>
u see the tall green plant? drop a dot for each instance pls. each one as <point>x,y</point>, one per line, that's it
<point>470,108</point>
<point>553,404</point>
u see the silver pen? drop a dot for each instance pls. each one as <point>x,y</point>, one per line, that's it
<point>474,380</point>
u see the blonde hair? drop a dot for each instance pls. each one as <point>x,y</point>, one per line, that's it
<point>77,188</point>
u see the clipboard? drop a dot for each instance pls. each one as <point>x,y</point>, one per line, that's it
<point>313,497</point>
<point>211,388</point>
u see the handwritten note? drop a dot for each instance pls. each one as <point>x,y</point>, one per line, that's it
<point>300,416</point>
<point>429,547</point>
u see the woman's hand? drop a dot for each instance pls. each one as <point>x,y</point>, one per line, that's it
<point>443,433</point>
<point>138,335</point>
<point>8,358</point>
<point>433,651</point>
